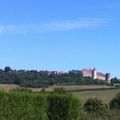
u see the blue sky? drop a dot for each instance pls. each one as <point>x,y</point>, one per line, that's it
<point>60,34</point>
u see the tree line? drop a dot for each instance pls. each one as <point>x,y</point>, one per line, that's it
<point>34,78</point>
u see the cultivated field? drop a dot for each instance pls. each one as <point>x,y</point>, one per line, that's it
<point>8,87</point>
<point>80,87</point>
<point>105,95</point>
<point>83,93</point>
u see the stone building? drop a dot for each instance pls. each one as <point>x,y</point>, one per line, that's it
<point>96,75</point>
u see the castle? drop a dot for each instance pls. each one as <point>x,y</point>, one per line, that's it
<point>96,75</point>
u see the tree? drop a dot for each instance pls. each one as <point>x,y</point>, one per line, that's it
<point>115,80</point>
<point>7,69</point>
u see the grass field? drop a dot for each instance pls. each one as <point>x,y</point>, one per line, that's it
<point>105,95</point>
<point>8,87</point>
<point>81,87</point>
<point>89,91</point>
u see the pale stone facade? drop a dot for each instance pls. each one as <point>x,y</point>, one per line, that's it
<point>95,74</point>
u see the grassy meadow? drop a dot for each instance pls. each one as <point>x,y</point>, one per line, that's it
<point>105,95</point>
<point>84,91</point>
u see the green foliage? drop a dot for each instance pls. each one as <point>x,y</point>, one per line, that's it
<point>63,107</point>
<point>37,79</point>
<point>59,90</point>
<point>115,80</point>
<point>24,105</point>
<point>96,108</point>
<point>115,102</point>
<point>7,69</point>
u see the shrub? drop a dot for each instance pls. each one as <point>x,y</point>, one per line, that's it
<point>115,102</point>
<point>24,105</point>
<point>63,107</point>
<point>59,90</point>
<point>96,108</point>
<point>114,106</point>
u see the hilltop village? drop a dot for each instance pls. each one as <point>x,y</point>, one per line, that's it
<point>35,78</point>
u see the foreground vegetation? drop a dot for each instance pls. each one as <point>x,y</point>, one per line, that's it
<point>58,105</point>
<point>22,104</point>
<point>26,105</point>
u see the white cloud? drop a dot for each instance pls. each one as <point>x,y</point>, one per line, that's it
<point>53,26</point>
<point>71,25</point>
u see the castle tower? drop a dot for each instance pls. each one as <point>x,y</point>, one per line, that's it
<point>94,73</point>
<point>107,77</point>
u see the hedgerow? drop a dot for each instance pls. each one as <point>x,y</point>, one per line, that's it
<point>25,105</point>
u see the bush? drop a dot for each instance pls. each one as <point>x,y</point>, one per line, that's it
<point>24,105</point>
<point>96,108</point>
<point>114,106</point>
<point>59,90</point>
<point>115,102</point>
<point>63,107</point>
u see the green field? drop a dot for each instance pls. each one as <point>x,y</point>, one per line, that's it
<point>105,95</point>
<point>83,93</point>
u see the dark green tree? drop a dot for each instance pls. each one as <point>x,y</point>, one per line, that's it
<point>115,102</point>
<point>7,69</point>
<point>96,108</point>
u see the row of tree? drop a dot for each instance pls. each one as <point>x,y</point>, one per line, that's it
<point>33,78</point>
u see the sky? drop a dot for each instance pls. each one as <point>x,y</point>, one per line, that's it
<point>60,35</point>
